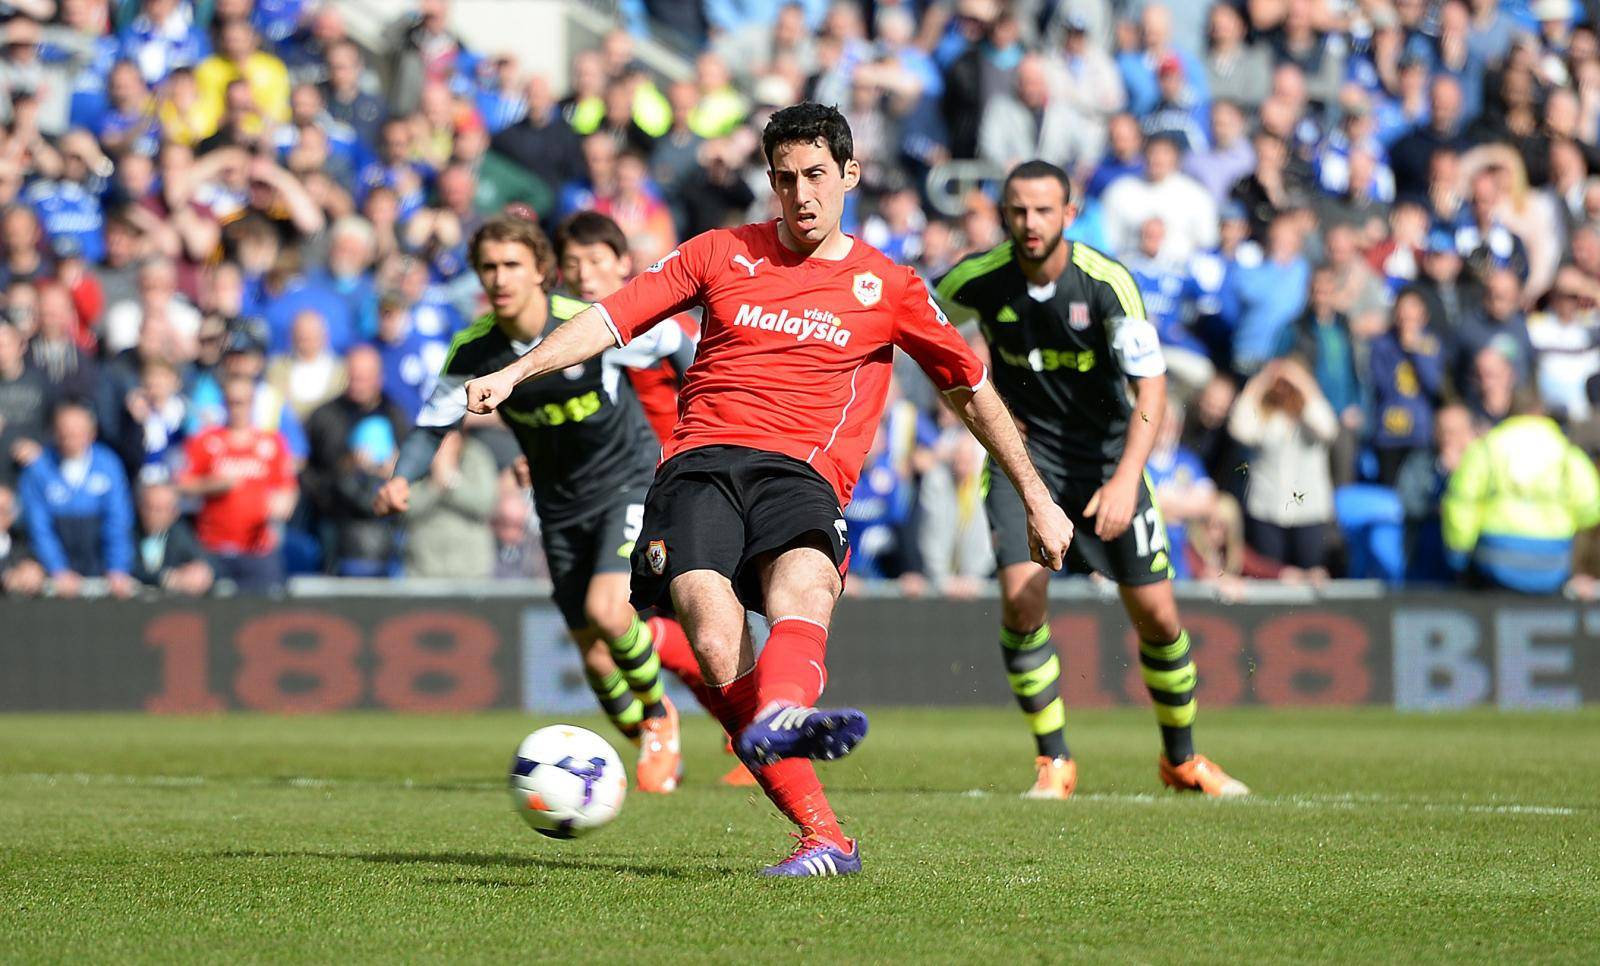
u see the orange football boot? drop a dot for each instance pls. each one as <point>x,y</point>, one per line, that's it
<point>738,776</point>
<point>1201,774</point>
<point>1057,778</point>
<point>660,760</point>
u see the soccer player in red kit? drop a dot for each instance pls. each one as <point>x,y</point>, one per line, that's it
<point>776,415</point>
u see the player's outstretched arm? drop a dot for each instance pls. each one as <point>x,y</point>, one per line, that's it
<point>581,337</point>
<point>412,464</point>
<point>1049,530</point>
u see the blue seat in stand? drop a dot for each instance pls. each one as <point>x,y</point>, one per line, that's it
<point>1373,523</point>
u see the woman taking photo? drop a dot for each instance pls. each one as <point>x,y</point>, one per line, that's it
<point>1284,417</point>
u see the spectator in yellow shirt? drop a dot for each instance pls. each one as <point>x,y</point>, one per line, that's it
<point>722,108</point>
<point>1516,500</point>
<point>239,58</point>
<point>184,118</point>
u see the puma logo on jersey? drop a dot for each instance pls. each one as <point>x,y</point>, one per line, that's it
<point>747,264</point>
<point>1006,314</point>
<point>840,526</point>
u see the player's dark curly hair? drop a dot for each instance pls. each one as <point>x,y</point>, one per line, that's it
<point>807,123</point>
<point>510,228</point>
<point>1036,170</point>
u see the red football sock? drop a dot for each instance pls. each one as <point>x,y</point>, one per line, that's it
<point>672,647</point>
<point>734,703</point>
<point>792,668</point>
<point>793,786</point>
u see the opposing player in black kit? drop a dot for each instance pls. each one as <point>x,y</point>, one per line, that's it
<point>1067,334</point>
<point>591,456</point>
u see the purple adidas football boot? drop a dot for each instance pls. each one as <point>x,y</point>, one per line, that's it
<point>814,855</point>
<point>790,731</point>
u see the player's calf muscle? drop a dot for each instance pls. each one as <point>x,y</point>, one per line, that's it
<point>596,656</point>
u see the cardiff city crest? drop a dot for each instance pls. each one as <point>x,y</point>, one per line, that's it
<point>867,288</point>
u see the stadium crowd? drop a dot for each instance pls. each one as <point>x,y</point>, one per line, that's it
<point>233,256</point>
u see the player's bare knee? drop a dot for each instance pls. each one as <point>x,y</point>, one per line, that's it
<point>1154,612</point>
<point>713,641</point>
<point>720,654</point>
<point>1161,626</point>
<point>612,626</point>
<point>606,606</point>
<point>609,616</point>
<point>812,600</point>
<point>1024,598</point>
<point>1024,614</point>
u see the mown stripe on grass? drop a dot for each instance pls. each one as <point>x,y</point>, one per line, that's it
<point>1343,801</point>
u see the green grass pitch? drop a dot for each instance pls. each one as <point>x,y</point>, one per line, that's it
<point>1374,837</point>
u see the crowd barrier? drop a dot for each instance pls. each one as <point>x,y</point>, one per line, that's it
<point>321,652</point>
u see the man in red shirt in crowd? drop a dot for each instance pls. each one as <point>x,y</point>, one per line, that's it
<point>245,478</point>
<point>776,415</point>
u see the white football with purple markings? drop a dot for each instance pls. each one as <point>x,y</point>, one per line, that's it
<point>567,781</point>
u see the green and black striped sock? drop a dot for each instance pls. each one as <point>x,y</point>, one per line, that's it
<point>1034,671</point>
<point>1169,676</point>
<point>635,654</point>
<point>620,705</point>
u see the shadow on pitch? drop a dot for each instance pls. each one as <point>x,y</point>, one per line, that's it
<point>482,860</point>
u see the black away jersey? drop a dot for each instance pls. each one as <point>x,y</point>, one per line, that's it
<point>1061,353</point>
<point>582,430</point>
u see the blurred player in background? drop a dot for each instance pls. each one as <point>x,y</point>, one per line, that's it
<point>1067,333</point>
<point>592,253</point>
<point>589,455</point>
<point>777,413</point>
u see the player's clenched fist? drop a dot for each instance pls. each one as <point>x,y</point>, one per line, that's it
<point>1049,535</point>
<point>486,392</point>
<point>393,497</point>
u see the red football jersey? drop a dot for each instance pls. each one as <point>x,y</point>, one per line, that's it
<point>236,521</point>
<point>795,352</point>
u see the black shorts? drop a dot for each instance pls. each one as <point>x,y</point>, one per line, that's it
<point>599,544</point>
<point>1140,556</point>
<point>720,507</point>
